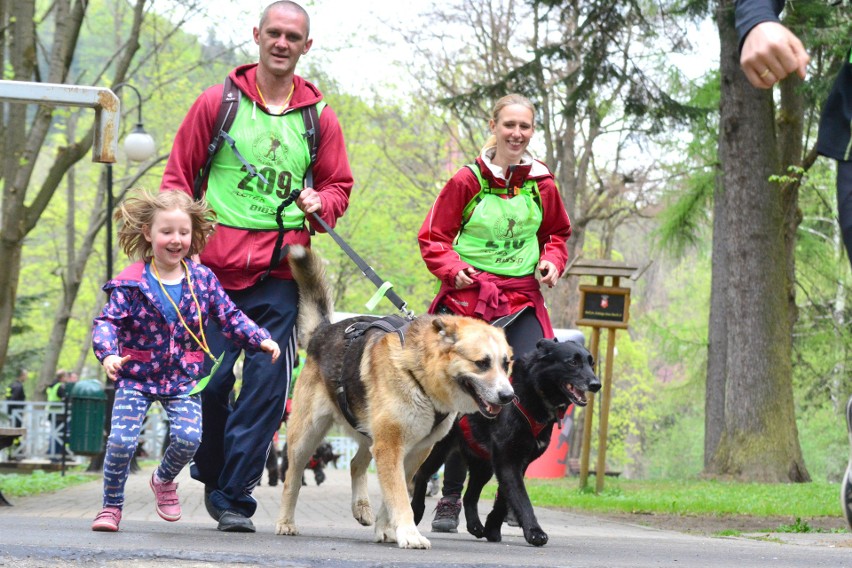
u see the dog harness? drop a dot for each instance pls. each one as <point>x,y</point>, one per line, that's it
<point>387,324</point>
<point>481,451</point>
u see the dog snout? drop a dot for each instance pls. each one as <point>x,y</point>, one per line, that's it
<point>594,384</point>
<point>505,396</point>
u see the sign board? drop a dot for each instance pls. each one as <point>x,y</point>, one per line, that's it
<point>604,306</point>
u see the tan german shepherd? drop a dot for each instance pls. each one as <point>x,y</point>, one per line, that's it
<point>396,394</point>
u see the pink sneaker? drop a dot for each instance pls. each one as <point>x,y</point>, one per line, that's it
<point>168,505</point>
<point>107,520</point>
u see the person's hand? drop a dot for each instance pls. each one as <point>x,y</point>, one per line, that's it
<point>270,346</point>
<point>770,53</point>
<point>112,363</point>
<point>549,274</point>
<point>463,278</point>
<point>309,201</point>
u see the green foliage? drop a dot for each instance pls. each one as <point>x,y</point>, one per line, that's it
<point>22,485</point>
<point>396,182</point>
<point>825,448</point>
<point>633,408</point>
<point>170,71</point>
<point>798,526</point>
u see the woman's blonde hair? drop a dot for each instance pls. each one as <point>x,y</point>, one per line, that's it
<point>137,212</point>
<point>503,102</point>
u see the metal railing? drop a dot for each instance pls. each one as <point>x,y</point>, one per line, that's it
<point>43,439</point>
<point>43,422</point>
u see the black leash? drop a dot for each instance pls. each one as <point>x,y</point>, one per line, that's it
<point>384,287</point>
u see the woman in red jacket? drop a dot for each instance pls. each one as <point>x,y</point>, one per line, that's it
<point>494,224</point>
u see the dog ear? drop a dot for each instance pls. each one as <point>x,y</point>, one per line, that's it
<point>546,345</point>
<point>445,329</point>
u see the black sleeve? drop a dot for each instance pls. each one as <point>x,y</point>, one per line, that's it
<point>749,13</point>
<point>17,391</point>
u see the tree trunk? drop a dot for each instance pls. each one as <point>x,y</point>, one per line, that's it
<point>717,334</point>
<point>759,441</point>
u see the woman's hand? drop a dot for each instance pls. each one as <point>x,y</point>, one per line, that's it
<point>270,346</point>
<point>112,363</point>
<point>463,278</point>
<point>549,274</point>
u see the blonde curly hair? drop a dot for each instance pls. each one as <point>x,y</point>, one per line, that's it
<point>137,212</point>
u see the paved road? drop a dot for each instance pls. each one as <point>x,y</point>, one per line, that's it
<point>53,530</point>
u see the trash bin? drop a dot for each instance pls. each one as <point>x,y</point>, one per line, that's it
<point>88,407</point>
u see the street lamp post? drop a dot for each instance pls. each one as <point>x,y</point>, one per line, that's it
<point>138,146</point>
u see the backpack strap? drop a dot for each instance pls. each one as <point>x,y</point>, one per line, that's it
<point>310,116</point>
<point>227,112</point>
<point>484,188</point>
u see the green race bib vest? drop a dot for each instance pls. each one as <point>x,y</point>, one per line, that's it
<point>53,393</point>
<point>499,235</point>
<point>277,148</point>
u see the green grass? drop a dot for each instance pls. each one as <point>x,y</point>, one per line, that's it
<point>25,484</point>
<point>687,497</point>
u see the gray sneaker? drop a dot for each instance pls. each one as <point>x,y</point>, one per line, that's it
<point>846,486</point>
<point>447,514</point>
<point>511,519</point>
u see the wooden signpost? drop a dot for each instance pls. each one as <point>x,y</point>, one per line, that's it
<point>601,306</point>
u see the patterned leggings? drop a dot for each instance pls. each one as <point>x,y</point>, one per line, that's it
<point>128,412</point>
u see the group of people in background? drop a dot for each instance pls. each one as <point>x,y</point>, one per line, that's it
<point>209,283</point>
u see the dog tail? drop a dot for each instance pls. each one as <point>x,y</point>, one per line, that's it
<point>315,304</point>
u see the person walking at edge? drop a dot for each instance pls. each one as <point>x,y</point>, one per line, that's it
<point>150,339</point>
<point>494,224</point>
<point>270,135</point>
<point>769,52</point>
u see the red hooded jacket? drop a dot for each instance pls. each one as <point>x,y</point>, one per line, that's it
<point>492,296</point>
<point>239,257</point>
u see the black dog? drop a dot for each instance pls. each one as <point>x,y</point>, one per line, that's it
<point>323,456</point>
<point>546,382</point>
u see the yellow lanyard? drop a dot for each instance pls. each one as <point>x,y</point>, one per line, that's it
<point>203,341</point>
<point>286,101</point>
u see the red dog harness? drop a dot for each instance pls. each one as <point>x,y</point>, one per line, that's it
<point>481,451</point>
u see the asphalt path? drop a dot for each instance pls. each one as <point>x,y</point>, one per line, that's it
<point>54,530</point>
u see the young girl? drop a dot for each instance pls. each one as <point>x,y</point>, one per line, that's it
<point>150,339</point>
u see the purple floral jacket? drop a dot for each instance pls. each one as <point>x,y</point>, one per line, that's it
<point>164,359</point>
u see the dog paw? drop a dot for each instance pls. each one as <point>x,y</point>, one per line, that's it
<point>283,527</point>
<point>410,537</point>
<point>363,512</point>
<point>536,537</point>
<point>384,534</point>
<point>476,529</point>
<point>493,534</point>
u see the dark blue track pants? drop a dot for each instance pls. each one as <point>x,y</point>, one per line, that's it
<point>236,436</point>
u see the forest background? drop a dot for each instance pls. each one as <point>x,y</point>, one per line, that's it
<point>630,109</point>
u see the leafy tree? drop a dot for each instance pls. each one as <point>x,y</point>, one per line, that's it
<point>170,68</point>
